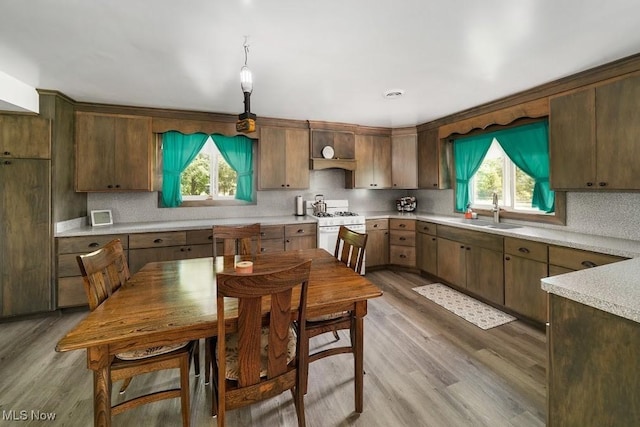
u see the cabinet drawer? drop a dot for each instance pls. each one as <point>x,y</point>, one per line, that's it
<point>200,237</point>
<point>68,265</point>
<point>577,259</point>
<point>402,255</point>
<point>271,245</point>
<point>402,224</point>
<point>472,238</point>
<point>86,244</point>
<point>526,249</point>
<point>157,240</point>
<point>377,224</point>
<point>426,227</point>
<point>293,230</point>
<point>71,292</point>
<point>271,232</point>
<point>402,238</point>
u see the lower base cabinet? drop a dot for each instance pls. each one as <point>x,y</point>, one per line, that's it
<point>377,251</point>
<point>426,248</point>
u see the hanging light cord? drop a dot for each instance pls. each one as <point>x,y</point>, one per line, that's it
<point>246,50</point>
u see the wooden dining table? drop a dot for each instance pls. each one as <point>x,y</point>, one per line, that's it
<point>173,301</point>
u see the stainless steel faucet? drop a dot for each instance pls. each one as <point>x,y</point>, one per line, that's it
<point>496,208</point>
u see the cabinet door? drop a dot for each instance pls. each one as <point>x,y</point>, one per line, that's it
<point>377,252</point>
<point>572,141</point>
<point>113,153</point>
<point>297,158</point>
<point>25,228</point>
<point>25,137</point>
<point>426,253</point>
<point>522,289</point>
<point>485,275</point>
<point>272,148</point>
<point>300,236</point>
<point>618,127</point>
<point>451,262</point>
<point>428,160</point>
<point>381,162</point>
<point>364,156</point>
<point>404,161</point>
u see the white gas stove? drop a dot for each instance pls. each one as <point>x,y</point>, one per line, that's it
<point>329,222</point>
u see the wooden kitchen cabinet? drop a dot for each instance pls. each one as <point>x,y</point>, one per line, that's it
<point>404,160</point>
<point>271,238</point>
<point>402,242</point>
<point>284,158</point>
<point>113,152</point>
<point>565,260</point>
<point>71,291</point>
<point>471,260</point>
<point>434,161</point>
<point>25,137</point>
<point>373,156</point>
<point>377,251</point>
<point>593,137</point>
<point>525,264</point>
<point>426,247</point>
<point>300,236</point>
<point>168,246</point>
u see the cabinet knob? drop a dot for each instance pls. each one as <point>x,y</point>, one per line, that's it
<point>468,248</point>
<point>109,186</point>
<point>589,184</point>
<point>523,250</point>
<point>117,185</point>
<point>403,225</point>
<point>94,245</point>
<point>435,185</point>
<point>287,185</point>
<point>281,185</point>
<point>507,258</point>
<point>403,256</point>
<point>7,153</point>
<point>403,238</point>
<point>461,246</point>
<point>602,184</point>
<point>588,264</point>
<point>433,239</point>
<point>300,230</point>
<point>157,241</point>
<point>7,162</point>
<point>210,237</point>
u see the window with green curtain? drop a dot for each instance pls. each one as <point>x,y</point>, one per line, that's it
<point>527,146</point>
<point>178,150</point>
<point>238,152</point>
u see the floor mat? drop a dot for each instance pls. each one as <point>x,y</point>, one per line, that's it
<point>480,314</point>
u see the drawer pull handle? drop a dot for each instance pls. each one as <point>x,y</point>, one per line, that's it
<point>210,237</point>
<point>588,264</point>
<point>375,225</point>
<point>461,246</point>
<point>403,238</point>
<point>300,230</point>
<point>94,245</point>
<point>403,225</point>
<point>7,162</point>
<point>7,153</point>
<point>507,258</point>
<point>523,250</point>
<point>157,241</point>
<point>403,256</point>
<point>433,239</point>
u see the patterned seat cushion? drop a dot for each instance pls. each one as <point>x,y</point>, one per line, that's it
<point>150,352</point>
<point>328,317</point>
<point>232,353</point>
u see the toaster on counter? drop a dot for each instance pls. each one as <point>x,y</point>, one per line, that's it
<point>406,204</point>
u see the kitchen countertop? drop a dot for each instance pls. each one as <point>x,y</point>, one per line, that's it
<point>612,288</point>
<point>606,245</point>
<point>159,226</point>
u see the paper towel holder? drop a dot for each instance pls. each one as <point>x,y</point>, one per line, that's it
<point>299,206</point>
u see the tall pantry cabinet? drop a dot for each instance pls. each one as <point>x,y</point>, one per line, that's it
<point>36,191</point>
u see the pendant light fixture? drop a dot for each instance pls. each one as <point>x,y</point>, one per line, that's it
<point>247,120</point>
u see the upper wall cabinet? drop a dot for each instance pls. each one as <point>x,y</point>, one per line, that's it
<point>404,160</point>
<point>434,160</point>
<point>113,152</point>
<point>373,156</point>
<point>332,146</point>
<point>593,138</point>
<point>26,137</point>
<point>284,158</point>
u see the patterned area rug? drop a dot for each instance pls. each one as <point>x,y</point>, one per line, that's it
<point>482,315</point>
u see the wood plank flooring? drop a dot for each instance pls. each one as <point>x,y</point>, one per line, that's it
<point>424,367</point>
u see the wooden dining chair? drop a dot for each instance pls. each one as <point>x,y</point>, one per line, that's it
<point>350,250</point>
<point>236,240</point>
<point>104,271</point>
<point>265,357</point>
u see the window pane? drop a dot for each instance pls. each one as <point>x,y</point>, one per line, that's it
<point>524,190</point>
<point>227,179</point>
<point>195,180</point>
<point>489,177</point>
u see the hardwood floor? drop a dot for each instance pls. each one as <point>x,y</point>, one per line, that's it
<point>424,367</point>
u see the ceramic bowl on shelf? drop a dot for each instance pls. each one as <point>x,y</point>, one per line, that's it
<point>327,152</point>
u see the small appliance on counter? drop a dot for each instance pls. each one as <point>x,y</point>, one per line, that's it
<point>406,204</point>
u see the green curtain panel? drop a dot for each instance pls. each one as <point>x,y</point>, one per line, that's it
<point>468,153</point>
<point>178,150</point>
<point>238,152</point>
<point>528,147</point>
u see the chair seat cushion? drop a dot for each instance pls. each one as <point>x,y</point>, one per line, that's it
<point>150,352</point>
<point>232,352</point>
<point>325,317</point>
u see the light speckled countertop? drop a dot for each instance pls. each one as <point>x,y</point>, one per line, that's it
<point>613,288</point>
<point>159,226</point>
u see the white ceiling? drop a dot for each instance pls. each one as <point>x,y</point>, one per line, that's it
<point>327,60</point>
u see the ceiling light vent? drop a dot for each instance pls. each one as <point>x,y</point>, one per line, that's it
<point>393,93</point>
